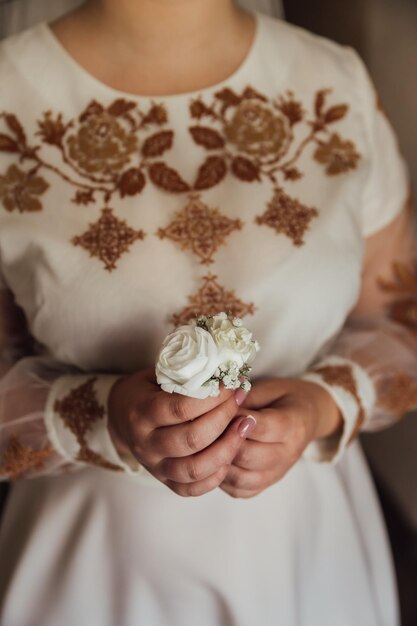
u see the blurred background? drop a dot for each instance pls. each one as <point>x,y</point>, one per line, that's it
<point>384,32</point>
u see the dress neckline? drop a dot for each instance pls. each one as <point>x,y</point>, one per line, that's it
<point>245,67</point>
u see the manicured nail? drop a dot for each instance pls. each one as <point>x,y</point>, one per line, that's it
<point>246,426</point>
<point>240,396</point>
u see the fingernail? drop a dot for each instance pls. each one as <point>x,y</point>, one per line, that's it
<point>246,426</point>
<point>240,396</point>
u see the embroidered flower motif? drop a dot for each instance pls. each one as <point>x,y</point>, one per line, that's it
<point>108,239</point>
<point>18,459</point>
<point>103,142</point>
<point>257,131</point>
<point>79,410</point>
<point>199,229</point>
<point>209,300</point>
<point>338,155</point>
<point>288,216</point>
<point>19,190</point>
<point>399,395</point>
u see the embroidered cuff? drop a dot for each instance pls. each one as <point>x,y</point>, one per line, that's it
<point>76,422</point>
<point>353,391</point>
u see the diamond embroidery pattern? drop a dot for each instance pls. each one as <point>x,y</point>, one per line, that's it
<point>108,239</point>
<point>209,300</point>
<point>200,229</point>
<point>79,410</point>
<point>288,216</point>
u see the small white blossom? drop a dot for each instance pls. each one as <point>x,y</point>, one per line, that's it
<point>237,322</point>
<point>246,385</point>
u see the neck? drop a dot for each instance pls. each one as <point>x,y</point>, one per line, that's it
<point>150,27</point>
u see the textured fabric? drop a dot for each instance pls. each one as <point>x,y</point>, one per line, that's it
<point>123,215</point>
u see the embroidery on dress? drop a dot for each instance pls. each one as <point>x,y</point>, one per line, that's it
<point>200,229</point>
<point>119,149</point>
<point>403,309</point>
<point>79,410</point>
<point>399,395</point>
<point>209,300</point>
<point>18,460</point>
<point>254,140</point>
<point>342,376</point>
<point>108,239</point>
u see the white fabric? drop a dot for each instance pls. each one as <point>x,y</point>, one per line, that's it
<point>332,448</point>
<point>103,548</point>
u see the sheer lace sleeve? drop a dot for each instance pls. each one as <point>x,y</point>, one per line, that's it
<point>52,417</point>
<point>370,368</point>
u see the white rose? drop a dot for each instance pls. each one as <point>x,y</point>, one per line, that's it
<point>235,342</point>
<point>188,359</point>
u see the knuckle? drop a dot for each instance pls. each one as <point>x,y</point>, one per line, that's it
<point>177,408</point>
<point>192,470</point>
<point>192,440</point>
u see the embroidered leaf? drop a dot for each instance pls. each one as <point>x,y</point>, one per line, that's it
<point>211,173</point>
<point>93,108</point>
<point>157,144</point>
<point>156,115</point>
<point>7,144</point>
<point>320,101</point>
<point>121,107</point>
<point>198,109</point>
<point>336,113</point>
<point>131,182</point>
<point>207,137</point>
<point>16,127</point>
<point>252,93</point>
<point>228,97</point>
<point>245,170</point>
<point>292,174</point>
<point>52,130</point>
<point>166,178</point>
<point>83,197</point>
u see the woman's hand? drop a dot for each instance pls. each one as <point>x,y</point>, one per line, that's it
<point>186,443</point>
<point>289,413</point>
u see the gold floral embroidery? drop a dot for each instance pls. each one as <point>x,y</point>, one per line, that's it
<point>79,410</point>
<point>120,148</point>
<point>288,216</point>
<point>209,300</point>
<point>108,239</point>
<point>103,143</point>
<point>342,376</point>
<point>399,395</point>
<point>18,460</point>
<point>20,190</point>
<point>339,156</point>
<point>200,229</point>
<point>257,130</point>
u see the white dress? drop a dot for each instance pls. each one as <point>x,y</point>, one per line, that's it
<point>255,196</point>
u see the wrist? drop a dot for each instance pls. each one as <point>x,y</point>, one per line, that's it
<point>113,408</point>
<point>329,420</point>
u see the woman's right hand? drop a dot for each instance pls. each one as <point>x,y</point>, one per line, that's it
<point>186,443</point>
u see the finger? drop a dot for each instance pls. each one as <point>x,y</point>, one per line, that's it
<point>253,455</point>
<point>239,493</point>
<point>167,409</point>
<point>271,425</point>
<point>199,466</point>
<point>265,391</point>
<point>251,481</point>
<point>191,437</point>
<point>200,487</point>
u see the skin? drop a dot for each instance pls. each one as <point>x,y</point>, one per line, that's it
<point>192,446</point>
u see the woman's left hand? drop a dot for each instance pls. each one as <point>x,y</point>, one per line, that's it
<point>289,414</point>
